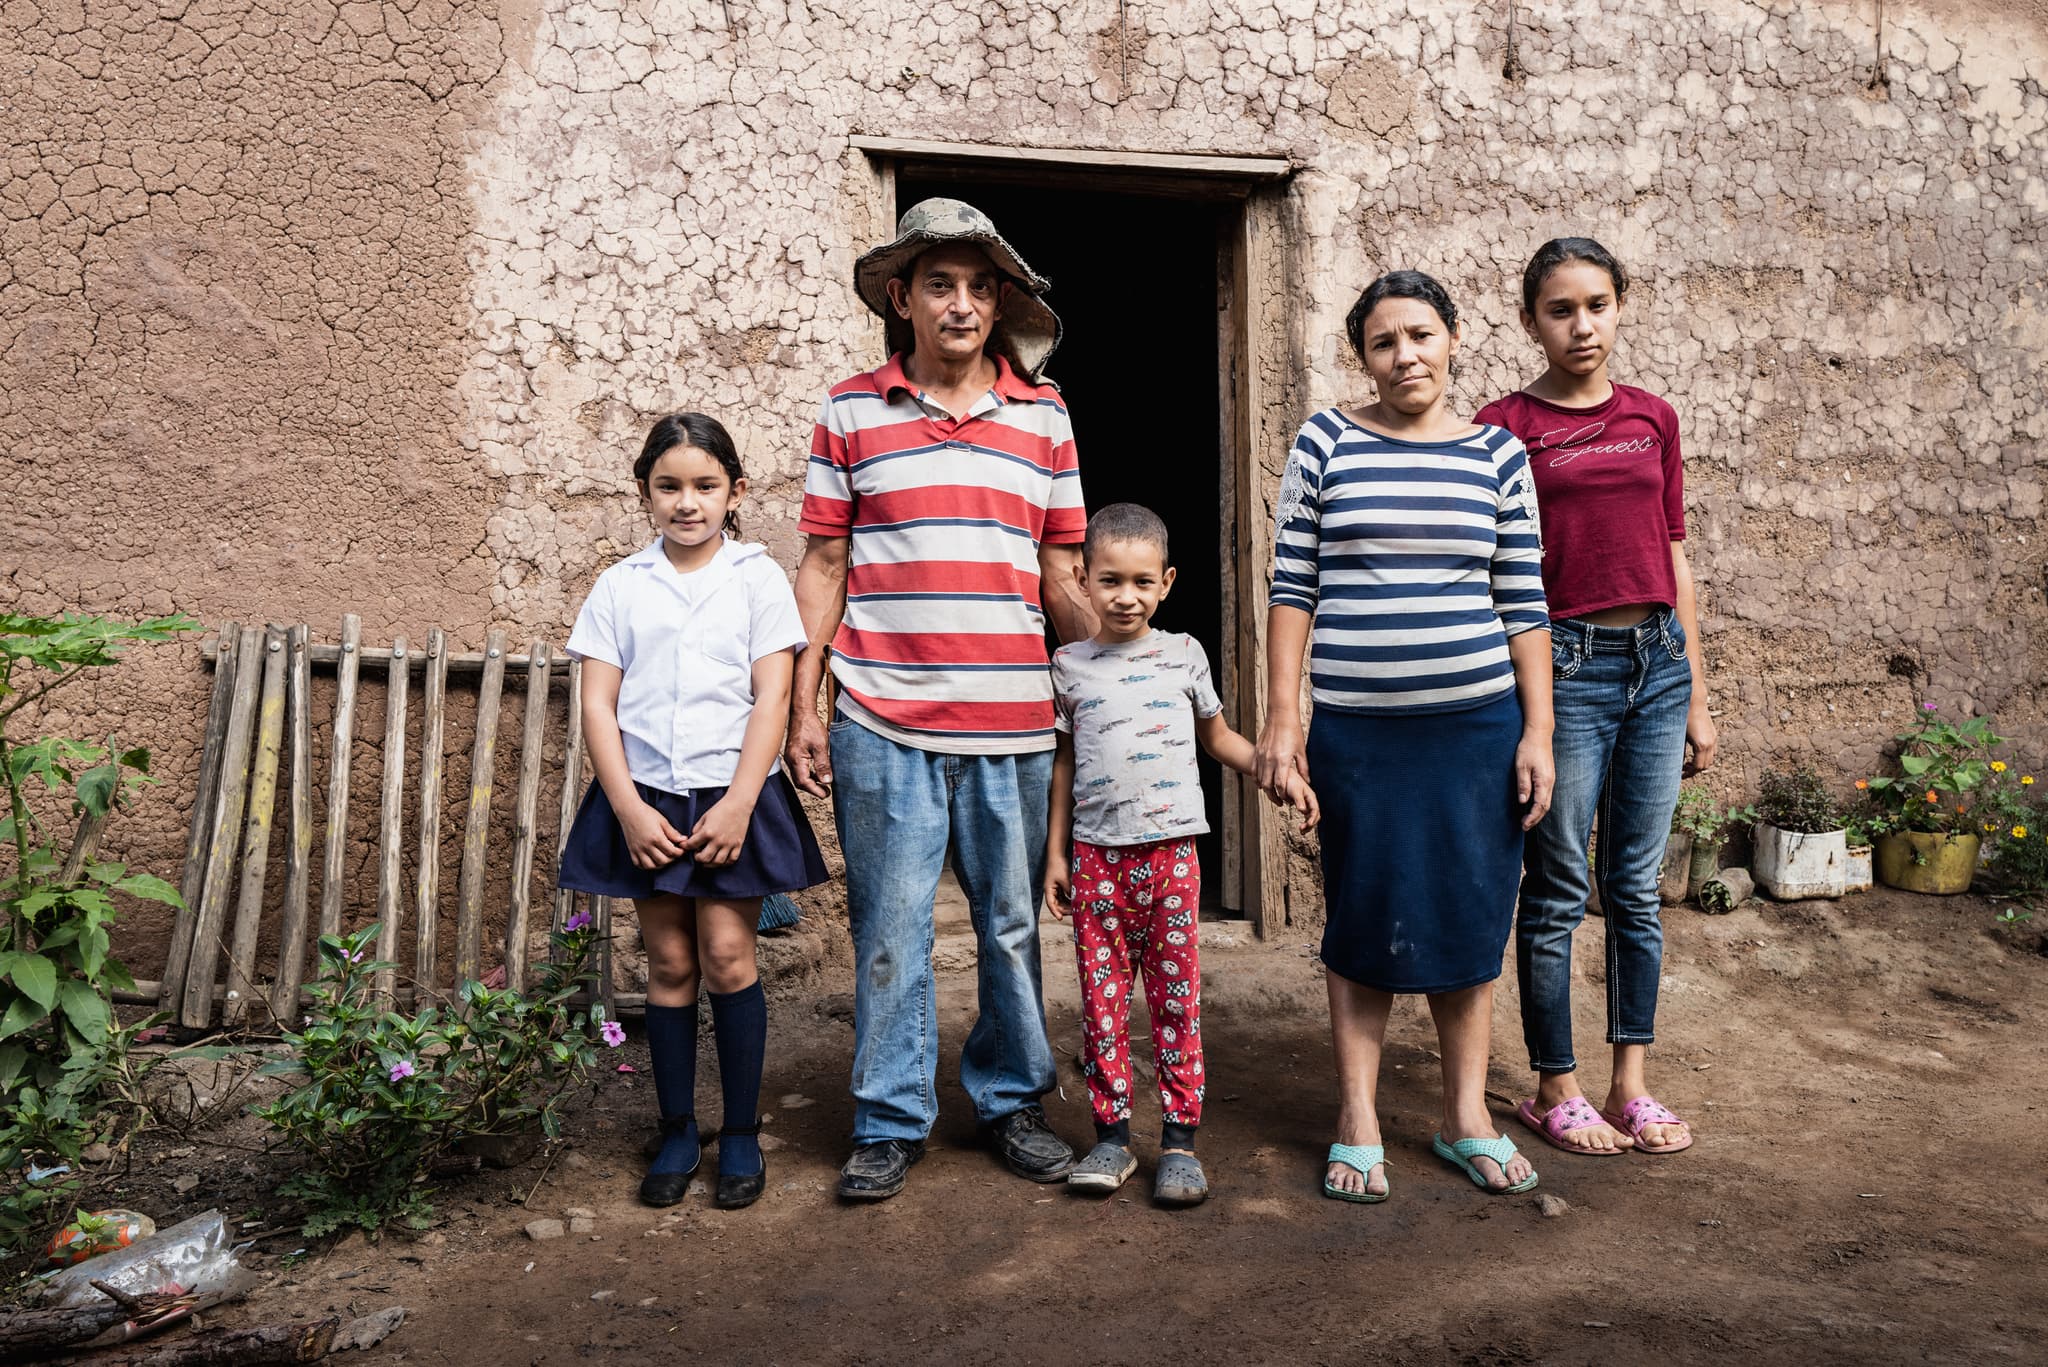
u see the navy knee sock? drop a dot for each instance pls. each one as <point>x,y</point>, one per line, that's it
<point>740,1021</point>
<point>672,1047</point>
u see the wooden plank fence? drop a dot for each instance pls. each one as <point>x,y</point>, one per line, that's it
<point>257,767</point>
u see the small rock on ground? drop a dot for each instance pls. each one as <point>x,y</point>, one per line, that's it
<point>579,1213</point>
<point>96,1152</point>
<point>1552,1206</point>
<point>582,1225</point>
<point>545,1229</point>
<point>602,1295</point>
<point>185,1183</point>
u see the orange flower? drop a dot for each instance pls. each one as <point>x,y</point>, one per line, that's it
<point>1932,796</point>
<point>1862,783</point>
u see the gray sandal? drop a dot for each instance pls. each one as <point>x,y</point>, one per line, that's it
<point>1107,1167</point>
<point>1179,1181</point>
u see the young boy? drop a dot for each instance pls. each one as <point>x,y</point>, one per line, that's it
<point>1130,704</point>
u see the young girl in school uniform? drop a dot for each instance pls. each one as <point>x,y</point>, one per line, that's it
<point>1629,689</point>
<point>687,656</point>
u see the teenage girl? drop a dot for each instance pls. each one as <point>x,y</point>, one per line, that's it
<point>686,650</point>
<point>1630,693</point>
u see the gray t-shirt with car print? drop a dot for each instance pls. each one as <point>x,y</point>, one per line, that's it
<point>1131,709</point>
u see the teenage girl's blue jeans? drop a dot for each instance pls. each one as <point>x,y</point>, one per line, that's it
<point>898,809</point>
<point>1621,700</point>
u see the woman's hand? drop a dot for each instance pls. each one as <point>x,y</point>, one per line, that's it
<point>651,841</point>
<point>1279,758</point>
<point>1535,776</point>
<point>1703,736</point>
<point>720,832</point>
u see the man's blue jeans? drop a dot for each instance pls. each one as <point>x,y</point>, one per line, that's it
<point>1621,700</point>
<point>898,808</point>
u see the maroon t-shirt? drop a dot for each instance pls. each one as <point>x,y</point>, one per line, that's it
<point>1611,492</point>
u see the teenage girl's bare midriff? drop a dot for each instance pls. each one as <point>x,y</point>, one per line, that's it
<point>1627,615</point>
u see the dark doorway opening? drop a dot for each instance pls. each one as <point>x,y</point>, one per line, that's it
<point>1134,281</point>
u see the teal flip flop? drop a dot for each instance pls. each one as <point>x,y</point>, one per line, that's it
<point>1361,1157</point>
<point>1499,1148</point>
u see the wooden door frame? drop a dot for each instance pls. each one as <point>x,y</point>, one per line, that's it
<point>1247,188</point>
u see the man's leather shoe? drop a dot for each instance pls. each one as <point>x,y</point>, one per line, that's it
<point>876,1171</point>
<point>1029,1146</point>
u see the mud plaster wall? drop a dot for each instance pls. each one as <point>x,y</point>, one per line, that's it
<point>307,307</point>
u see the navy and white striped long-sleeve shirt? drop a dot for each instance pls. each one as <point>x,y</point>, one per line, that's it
<point>1417,559</point>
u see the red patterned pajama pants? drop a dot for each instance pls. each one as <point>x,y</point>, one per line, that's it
<point>1135,905</point>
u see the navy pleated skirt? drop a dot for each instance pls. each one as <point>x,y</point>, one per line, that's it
<point>779,855</point>
<point>1421,843</point>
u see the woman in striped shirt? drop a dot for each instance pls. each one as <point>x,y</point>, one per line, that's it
<point>1407,539</point>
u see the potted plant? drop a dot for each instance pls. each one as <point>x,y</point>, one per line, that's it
<point>1801,849</point>
<point>1701,824</point>
<point>1927,840</point>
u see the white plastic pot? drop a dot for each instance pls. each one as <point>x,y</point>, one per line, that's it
<point>1859,869</point>
<point>1793,865</point>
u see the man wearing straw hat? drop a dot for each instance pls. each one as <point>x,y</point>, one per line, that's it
<point>943,507</point>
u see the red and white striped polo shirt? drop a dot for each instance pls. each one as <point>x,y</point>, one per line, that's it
<point>943,643</point>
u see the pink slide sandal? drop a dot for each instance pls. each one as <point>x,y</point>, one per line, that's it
<point>1647,1110</point>
<point>1566,1118</point>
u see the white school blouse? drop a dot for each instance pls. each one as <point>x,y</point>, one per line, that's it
<point>687,645</point>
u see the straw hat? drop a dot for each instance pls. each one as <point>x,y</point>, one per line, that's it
<point>1027,332</point>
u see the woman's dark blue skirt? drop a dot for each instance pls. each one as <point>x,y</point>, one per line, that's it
<point>1421,843</point>
<point>779,855</point>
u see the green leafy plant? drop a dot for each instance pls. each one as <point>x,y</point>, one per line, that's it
<point>61,1050</point>
<point>1797,800</point>
<point>382,1096</point>
<point>1700,815</point>
<point>1946,770</point>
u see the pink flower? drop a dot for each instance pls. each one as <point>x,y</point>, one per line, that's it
<point>613,1032</point>
<point>401,1069</point>
<point>579,921</point>
<point>1927,707</point>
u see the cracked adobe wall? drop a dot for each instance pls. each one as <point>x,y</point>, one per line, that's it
<point>462,272</point>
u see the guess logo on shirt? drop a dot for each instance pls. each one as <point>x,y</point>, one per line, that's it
<point>1563,445</point>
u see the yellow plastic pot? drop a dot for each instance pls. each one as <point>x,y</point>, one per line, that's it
<point>1925,861</point>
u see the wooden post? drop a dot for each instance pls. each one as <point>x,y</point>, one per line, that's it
<point>1265,853</point>
<point>199,836</point>
<point>262,807</point>
<point>426,909</point>
<point>196,1001</point>
<point>390,839</point>
<point>298,861</point>
<point>601,922</point>
<point>338,761</point>
<point>572,784</point>
<point>469,912</point>
<point>524,831</point>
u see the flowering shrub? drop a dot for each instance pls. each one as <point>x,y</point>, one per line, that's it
<point>1945,770</point>
<point>383,1096</point>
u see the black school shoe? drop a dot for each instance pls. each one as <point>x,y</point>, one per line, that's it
<point>877,1171</point>
<point>736,1190</point>
<point>1029,1146</point>
<point>667,1188</point>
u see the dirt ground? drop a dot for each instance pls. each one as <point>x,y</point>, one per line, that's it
<point>1864,1077</point>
